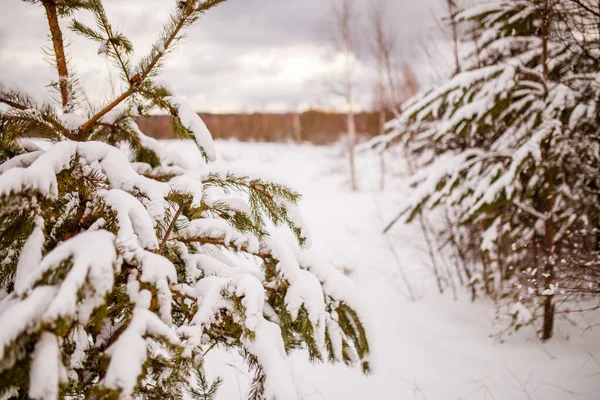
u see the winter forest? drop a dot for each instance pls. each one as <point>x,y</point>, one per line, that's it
<point>312,200</point>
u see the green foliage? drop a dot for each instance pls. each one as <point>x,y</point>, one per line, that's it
<point>265,198</point>
<point>25,118</point>
<point>204,390</point>
<point>16,224</point>
<point>113,44</point>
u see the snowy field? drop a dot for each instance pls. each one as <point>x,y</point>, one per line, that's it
<point>434,348</point>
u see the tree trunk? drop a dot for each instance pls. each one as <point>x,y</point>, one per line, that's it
<point>296,127</point>
<point>549,228</point>
<point>545,26</point>
<point>549,269</point>
<point>351,143</point>
<point>382,132</point>
<point>549,275</point>
<point>59,53</point>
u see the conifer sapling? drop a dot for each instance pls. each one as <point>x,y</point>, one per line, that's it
<point>120,265</point>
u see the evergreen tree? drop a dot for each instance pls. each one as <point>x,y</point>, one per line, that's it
<point>118,268</point>
<point>510,147</point>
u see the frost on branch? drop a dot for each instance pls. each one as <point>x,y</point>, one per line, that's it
<point>120,262</point>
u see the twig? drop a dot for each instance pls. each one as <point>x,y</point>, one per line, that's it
<point>169,230</point>
<point>552,357</point>
<point>523,385</point>
<point>564,390</point>
<point>411,293</point>
<point>55,124</point>
<point>588,328</point>
<point>485,388</point>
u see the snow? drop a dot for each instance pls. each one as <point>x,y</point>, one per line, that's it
<point>30,257</point>
<point>218,229</point>
<point>41,174</point>
<point>93,256</point>
<point>192,121</point>
<point>93,259</point>
<point>113,163</point>
<point>135,225</point>
<point>159,45</point>
<point>266,345</point>
<point>103,48</point>
<point>136,234</point>
<point>189,183</point>
<point>159,271</point>
<point>45,368</point>
<point>72,121</point>
<point>129,352</point>
<point>17,316</point>
<point>232,202</point>
<point>82,342</point>
<point>269,350</point>
<point>433,348</point>
<point>305,288</point>
<point>171,159</point>
<point>23,160</point>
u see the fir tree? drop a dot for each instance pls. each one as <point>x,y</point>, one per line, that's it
<point>118,268</point>
<point>510,148</point>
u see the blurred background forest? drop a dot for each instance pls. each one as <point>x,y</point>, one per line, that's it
<point>315,126</point>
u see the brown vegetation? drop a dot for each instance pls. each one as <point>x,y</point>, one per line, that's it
<point>319,127</point>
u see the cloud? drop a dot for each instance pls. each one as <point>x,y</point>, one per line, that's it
<point>243,55</point>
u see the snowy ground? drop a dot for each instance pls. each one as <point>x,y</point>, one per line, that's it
<point>434,348</point>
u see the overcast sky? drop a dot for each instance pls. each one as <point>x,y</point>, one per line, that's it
<point>245,55</point>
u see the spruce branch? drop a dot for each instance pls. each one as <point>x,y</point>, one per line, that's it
<point>204,390</point>
<point>268,199</point>
<point>186,14</point>
<point>115,45</point>
<point>27,111</point>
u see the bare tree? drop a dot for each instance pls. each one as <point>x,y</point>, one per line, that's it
<point>296,126</point>
<point>452,9</point>
<point>342,24</point>
<point>382,45</point>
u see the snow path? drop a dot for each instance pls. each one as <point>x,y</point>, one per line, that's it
<point>434,348</point>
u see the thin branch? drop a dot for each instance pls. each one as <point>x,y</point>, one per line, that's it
<point>139,78</point>
<point>169,230</point>
<point>13,104</point>
<point>530,210</point>
<point>55,124</point>
<point>588,9</point>
<point>108,30</point>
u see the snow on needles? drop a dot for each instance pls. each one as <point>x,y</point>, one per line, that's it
<point>130,352</point>
<point>152,247</point>
<point>192,121</point>
<point>93,259</point>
